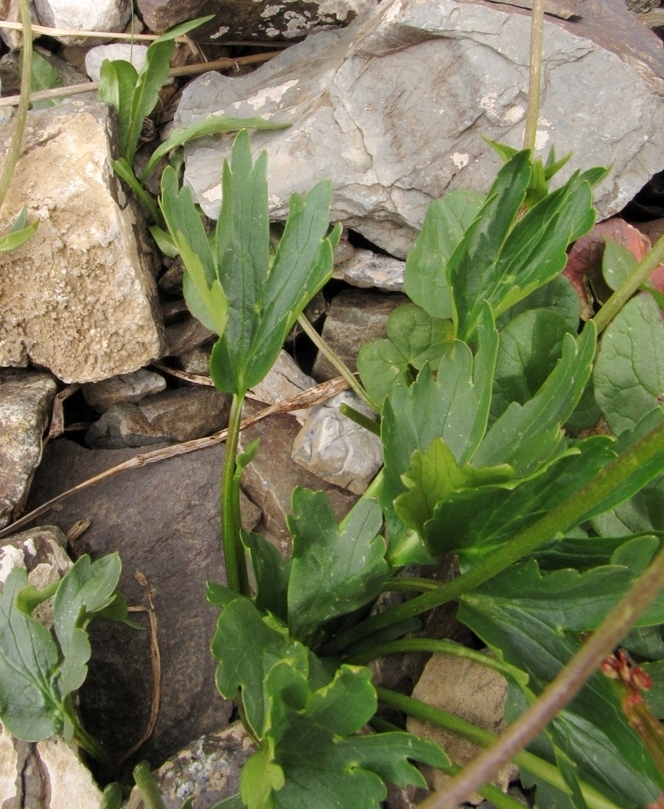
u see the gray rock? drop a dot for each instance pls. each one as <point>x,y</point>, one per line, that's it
<point>129,52</point>
<point>187,413</point>
<point>283,381</point>
<point>185,335</point>
<point>337,449</point>
<point>123,425</point>
<point>123,388</point>
<point>82,15</point>
<point>248,19</point>
<point>163,518</point>
<point>196,361</point>
<point>367,269</point>
<point>472,692</point>
<point>270,478</point>
<point>353,318</point>
<point>392,109</point>
<point>207,769</point>
<point>78,297</point>
<point>25,406</point>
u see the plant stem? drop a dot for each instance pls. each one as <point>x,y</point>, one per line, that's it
<point>112,796</point>
<point>565,516</point>
<point>23,105</point>
<point>448,647</point>
<point>336,360</point>
<point>568,682</point>
<point>147,787</point>
<point>639,276</point>
<point>234,559</point>
<point>534,764</point>
<point>535,77</point>
<point>88,742</point>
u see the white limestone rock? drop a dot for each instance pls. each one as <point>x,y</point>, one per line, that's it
<point>78,297</point>
<point>83,15</point>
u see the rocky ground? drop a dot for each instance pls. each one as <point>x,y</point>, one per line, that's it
<point>103,368</point>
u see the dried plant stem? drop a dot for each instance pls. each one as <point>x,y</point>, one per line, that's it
<point>568,682</point>
<point>23,105</point>
<point>186,70</point>
<point>535,80</point>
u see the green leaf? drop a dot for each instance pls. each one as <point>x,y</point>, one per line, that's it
<point>414,338</point>
<point>592,730</point>
<point>527,435</point>
<point>17,237</point>
<point>453,406</point>
<point>557,296</point>
<point>244,666</point>
<point>126,172</point>
<point>210,301</point>
<point>43,76</point>
<point>272,574</point>
<point>260,777</point>
<point>470,269</point>
<point>617,263</point>
<point>629,372</point>
<point>117,83</point>
<point>30,700</point>
<point>445,223</point>
<point>87,588</point>
<point>334,571</point>
<point>212,125</point>
<point>474,521</point>
<point>530,346</point>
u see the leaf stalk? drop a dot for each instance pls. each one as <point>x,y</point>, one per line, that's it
<point>233,550</point>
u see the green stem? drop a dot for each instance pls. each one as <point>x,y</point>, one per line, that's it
<point>23,105</point>
<point>112,796</point>
<point>482,738</point>
<point>146,786</point>
<point>336,360</point>
<point>637,278</point>
<point>448,647</point>
<point>560,519</point>
<point>535,79</point>
<point>236,567</point>
<point>88,742</point>
<point>563,688</point>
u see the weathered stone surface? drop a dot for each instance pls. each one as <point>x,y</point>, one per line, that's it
<point>208,769</point>
<point>392,109</point>
<point>272,475</point>
<point>187,413</point>
<point>82,15</point>
<point>25,405</point>
<point>163,518</point>
<point>353,318</point>
<point>196,361</point>
<point>123,425</point>
<point>472,692</point>
<point>123,388</point>
<point>185,335</point>
<point>283,381</point>
<point>337,449</point>
<point>368,269</point>
<point>129,52</point>
<point>248,19</point>
<point>78,297</point>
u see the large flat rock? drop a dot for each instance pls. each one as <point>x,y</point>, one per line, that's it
<point>392,108</point>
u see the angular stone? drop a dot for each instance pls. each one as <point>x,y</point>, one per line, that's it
<point>163,518</point>
<point>247,19</point>
<point>129,388</point>
<point>353,318</point>
<point>128,52</point>
<point>472,692</point>
<point>82,15</point>
<point>367,269</point>
<point>78,297</point>
<point>207,769</point>
<point>185,335</point>
<point>283,381</point>
<point>272,475</point>
<point>196,361</point>
<point>123,425</point>
<point>187,413</point>
<point>25,407</point>
<point>337,449</point>
<point>392,109</point>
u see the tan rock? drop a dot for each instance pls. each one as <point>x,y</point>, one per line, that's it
<point>472,692</point>
<point>79,296</point>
